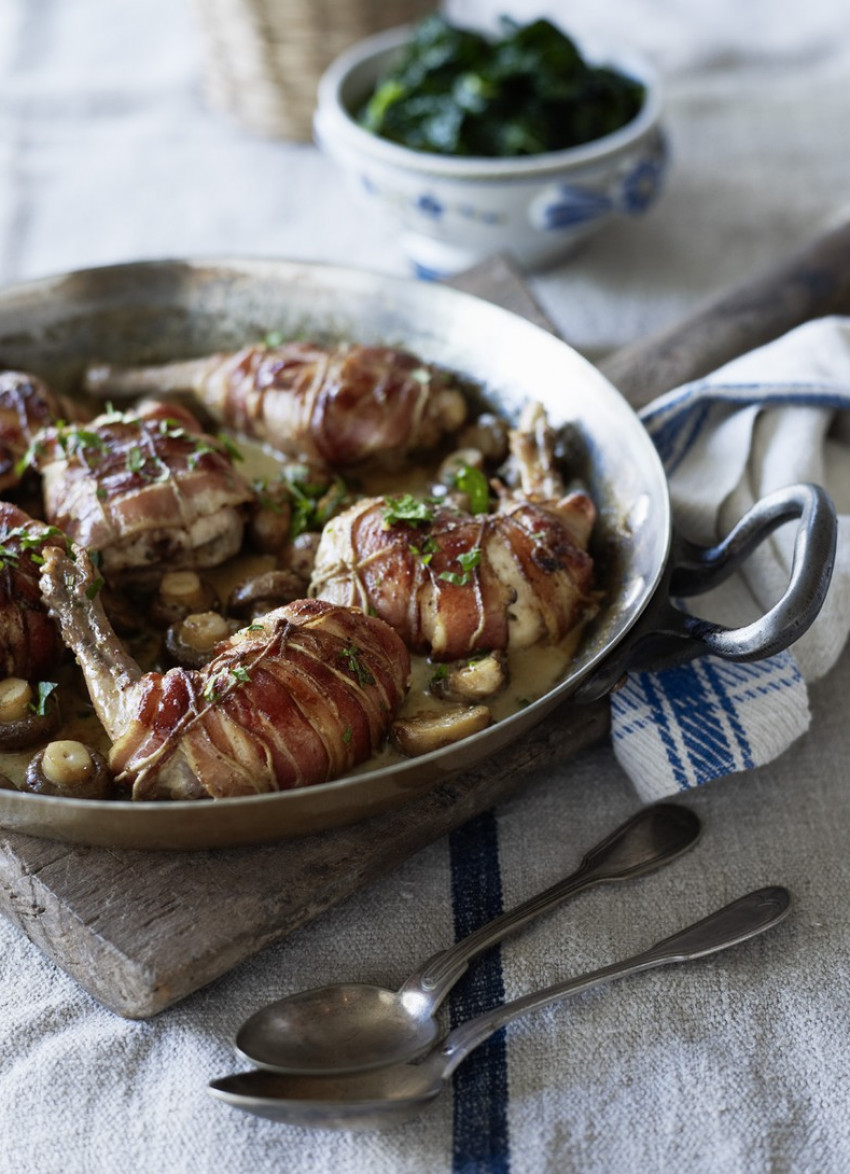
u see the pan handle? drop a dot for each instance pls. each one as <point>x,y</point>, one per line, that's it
<point>666,635</point>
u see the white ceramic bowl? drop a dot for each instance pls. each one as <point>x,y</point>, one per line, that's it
<point>454,212</point>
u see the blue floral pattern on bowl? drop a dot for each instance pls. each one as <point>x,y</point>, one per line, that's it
<point>642,184</point>
<point>569,206</point>
<point>573,205</point>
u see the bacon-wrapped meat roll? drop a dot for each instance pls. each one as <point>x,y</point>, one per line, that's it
<point>452,583</point>
<point>341,405</point>
<point>26,406</point>
<point>302,695</point>
<point>148,491</point>
<point>30,646</point>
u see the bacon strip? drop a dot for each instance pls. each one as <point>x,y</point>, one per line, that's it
<point>341,405</point>
<point>303,695</point>
<point>455,584</point>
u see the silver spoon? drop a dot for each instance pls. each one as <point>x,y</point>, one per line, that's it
<point>352,1027</point>
<point>376,1100</point>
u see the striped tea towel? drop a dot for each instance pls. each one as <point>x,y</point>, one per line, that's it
<point>778,415</point>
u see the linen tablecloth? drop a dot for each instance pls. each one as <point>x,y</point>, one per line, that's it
<point>108,153</point>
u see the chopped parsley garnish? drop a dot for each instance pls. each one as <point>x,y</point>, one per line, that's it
<point>351,656</point>
<point>346,734</point>
<point>28,543</point>
<point>135,460</point>
<point>474,484</point>
<point>240,674</point>
<point>407,508</point>
<point>313,503</point>
<point>95,588</point>
<point>45,689</point>
<point>229,448</point>
<point>426,551</point>
<point>468,560</point>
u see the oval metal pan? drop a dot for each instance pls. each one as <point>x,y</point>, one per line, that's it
<point>155,311</point>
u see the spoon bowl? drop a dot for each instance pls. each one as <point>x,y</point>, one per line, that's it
<point>353,1027</point>
<point>389,1096</point>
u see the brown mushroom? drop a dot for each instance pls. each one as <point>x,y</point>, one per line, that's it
<point>192,641</point>
<point>71,769</point>
<point>24,720</point>
<point>263,593</point>
<point>425,731</point>
<point>271,518</point>
<point>461,458</point>
<point>301,554</point>
<point>473,680</point>
<point>181,593</point>
<point>489,434</point>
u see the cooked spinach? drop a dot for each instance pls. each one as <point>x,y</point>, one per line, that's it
<point>454,92</point>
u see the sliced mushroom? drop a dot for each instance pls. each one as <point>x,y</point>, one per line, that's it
<point>69,768</point>
<point>425,731</point>
<point>192,642</point>
<point>265,592</point>
<point>300,556</point>
<point>489,434</point>
<point>473,680</point>
<point>25,722</point>
<point>271,518</point>
<point>181,593</point>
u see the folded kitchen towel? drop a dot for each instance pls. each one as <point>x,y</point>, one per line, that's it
<point>776,416</point>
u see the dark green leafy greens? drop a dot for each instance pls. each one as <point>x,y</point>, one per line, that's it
<point>453,92</point>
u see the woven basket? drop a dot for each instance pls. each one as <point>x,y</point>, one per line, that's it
<point>264,58</point>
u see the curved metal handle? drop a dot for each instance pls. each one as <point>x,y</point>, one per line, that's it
<point>742,919</point>
<point>667,635</point>
<point>652,837</point>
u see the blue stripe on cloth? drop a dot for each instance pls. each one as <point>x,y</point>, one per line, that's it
<point>702,728</point>
<point>677,436</point>
<point>480,1142</point>
<point>648,683</point>
<point>716,679</point>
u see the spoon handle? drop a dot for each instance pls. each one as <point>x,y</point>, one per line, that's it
<point>652,837</point>
<point>743,919</point>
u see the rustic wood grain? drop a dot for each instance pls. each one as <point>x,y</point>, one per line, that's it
<point>140,931</point>
<point>812,283</point>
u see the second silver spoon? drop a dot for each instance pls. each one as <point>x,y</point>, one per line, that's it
<point>352,1027</point>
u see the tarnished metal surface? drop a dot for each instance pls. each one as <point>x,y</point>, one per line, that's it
<point>154,311</point>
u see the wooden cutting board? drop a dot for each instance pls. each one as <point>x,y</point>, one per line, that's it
<point>165,937</point>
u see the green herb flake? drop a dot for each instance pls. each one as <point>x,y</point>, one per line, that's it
<point>351,656</point>
<point>407,508</point>
<point>135,461</point>
<point>45,690</point>
<point>346,734</point>
<point>475,485</point>
<point>467,560</point>
<point>95,588</point>
<point>240,674</point>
